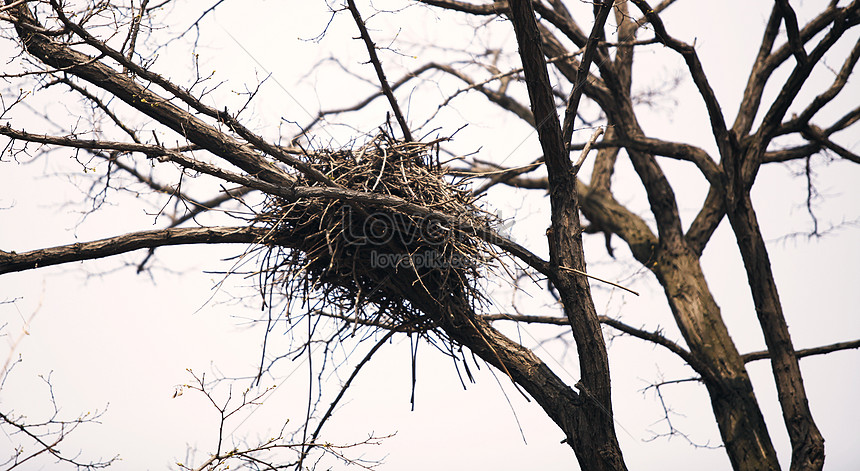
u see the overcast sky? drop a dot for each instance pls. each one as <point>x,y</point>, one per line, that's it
<point>115,341</point>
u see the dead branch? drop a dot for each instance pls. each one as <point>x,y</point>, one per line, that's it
<point>14,262</point>
<point>380,73</point>
<point>806,352</point>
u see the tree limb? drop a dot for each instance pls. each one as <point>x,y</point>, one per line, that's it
<point>791,30</point>
<point>806,352</point>
<point>14,262</point>
<point>718,123</point>
<point>377,65</point>
<point>653,337</point>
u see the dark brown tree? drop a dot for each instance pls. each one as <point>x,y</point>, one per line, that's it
<point>570,67</point>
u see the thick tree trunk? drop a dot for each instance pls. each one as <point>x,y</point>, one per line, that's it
<point>593,434</point>
<point>678,270</point>
<point>736,410</point>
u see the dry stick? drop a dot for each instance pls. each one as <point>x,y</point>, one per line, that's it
<point>374,59</point>
<point>578,272</point>
<point>582,77</point>
<point>587,149</point>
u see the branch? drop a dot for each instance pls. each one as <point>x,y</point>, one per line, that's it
<point>594,87</point>
<point>847,120</point>
<point>562,21</point>
<point>90,144</point>
<point>363,103</point>
<point>834,347</point>
<point>798,122</point>
<point>592,435</point>
<point>601,209</point>
<point>604,164</point>
<point>61,56</point>
<point>815,134</point>
<point>791,30</point>
<point>377,65</point>
<point>103,106</point>
<point>761,71</point>
<point>654,337</point>
<point>330,411</point>
<point>495,8</point>
<point>718,123</point>
<point>819,139</point>
<point>707,220</point>
<point>586,149</point>
<point>158,108</point>
<point>14,262</point>
<point>502,100</point>
<point>591,50</point>
<point>65,427</point>
<point>791,153</point>
<point>675,150</point>
<point>292,193</point>
<point>771,121</point>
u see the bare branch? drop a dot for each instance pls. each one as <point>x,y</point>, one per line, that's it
<point>13,262</point>
<point>842,20</point>
<point>593,437</point>
<point>495,8</point>
<point>586,149</point>
<point>653,337</point>
<point>718,123</point>
<point>815,134</point>
<point>758,77</point>
<point>790,20</point>
<point>801,120</point>
<point>151,104</point>
<point>328,413</point>
<point>377,65</point>
<point>707,220</point>
<point>806,352</point>
<point>591,51</point>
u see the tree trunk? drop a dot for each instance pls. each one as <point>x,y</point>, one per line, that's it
<point>593,435</point>
<point>736,409</point>
<point>807,443</point>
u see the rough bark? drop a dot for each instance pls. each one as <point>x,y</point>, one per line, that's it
<point>807,443</point>
<point>14,262</point>
<point>735,407</point>
<point>593,435</point>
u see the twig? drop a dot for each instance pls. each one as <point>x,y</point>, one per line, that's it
<point>578,272</point>
<point>377,65</point>
<point>834,347</point>
<point>587,149</point>
<point>311,443</point>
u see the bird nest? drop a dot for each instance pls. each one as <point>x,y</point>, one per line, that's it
<point>373,262</point>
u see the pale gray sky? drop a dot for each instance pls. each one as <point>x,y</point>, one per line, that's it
<point>111,338</point>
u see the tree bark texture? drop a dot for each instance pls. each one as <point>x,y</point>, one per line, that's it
<point>807,443</point>
<point>735,407</point>
<point>593,437</point>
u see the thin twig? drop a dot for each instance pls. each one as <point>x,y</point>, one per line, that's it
<point>377,65</point>
<point>587,149</point>
<point>579,272</point>
<point>312,442</point>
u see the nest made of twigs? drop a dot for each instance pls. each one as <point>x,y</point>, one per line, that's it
<point>377,264</point>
